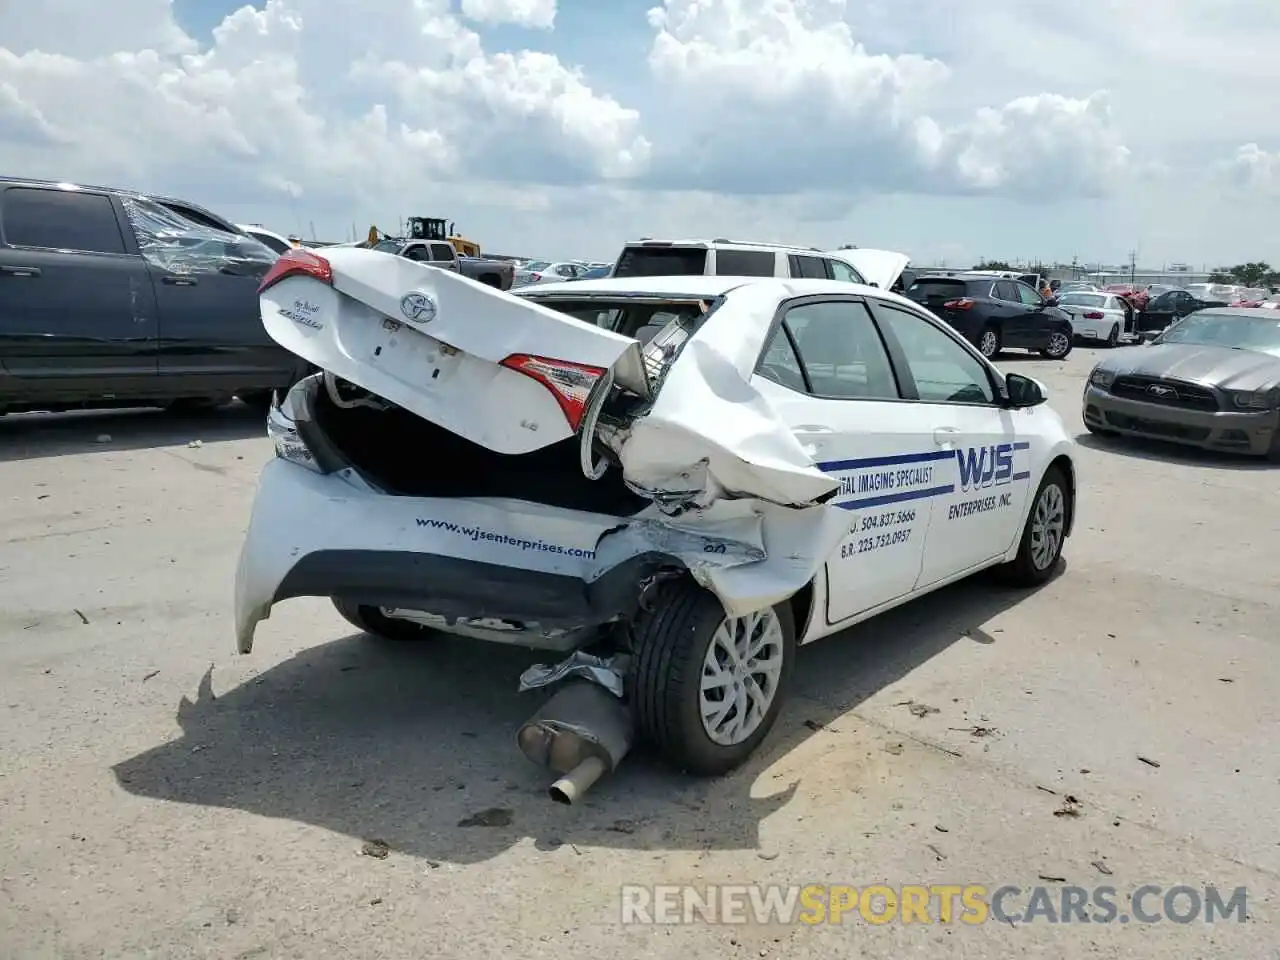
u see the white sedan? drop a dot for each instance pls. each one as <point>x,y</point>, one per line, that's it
<point>1097,317</point>
<point>700,473</point>
<point>544,271</point>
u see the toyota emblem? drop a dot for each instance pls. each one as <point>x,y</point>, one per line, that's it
<point>418,307</point>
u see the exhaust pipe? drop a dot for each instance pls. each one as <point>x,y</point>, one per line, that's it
<point>581,733</point>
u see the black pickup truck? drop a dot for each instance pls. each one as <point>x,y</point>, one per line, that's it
<point>110,298</point>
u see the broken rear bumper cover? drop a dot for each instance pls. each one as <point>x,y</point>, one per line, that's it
<point>549,569</point>
<point>317,535</point>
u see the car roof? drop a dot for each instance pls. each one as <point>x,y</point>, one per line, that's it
<point>119,191</point>
<point>700,286</point>
<point>725,242</point>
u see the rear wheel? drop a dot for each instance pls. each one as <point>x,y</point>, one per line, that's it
<point>705,689</point>
<point>1113,338</point>
<point>1044,533</point>
<point>1058,347</point>
<point>989,341</point>
<point>190,405</point>
<point>374,621</point>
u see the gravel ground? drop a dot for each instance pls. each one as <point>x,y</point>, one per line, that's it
<point>161,796</point>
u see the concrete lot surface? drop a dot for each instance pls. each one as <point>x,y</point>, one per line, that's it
<point>161,796</point>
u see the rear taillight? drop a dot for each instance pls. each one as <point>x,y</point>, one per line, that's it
<point>964,303</point>
<point>569,383</point>
<point>297,263</point>
<point>1094,315</point>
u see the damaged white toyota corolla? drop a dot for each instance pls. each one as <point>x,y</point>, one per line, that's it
<point>673,481</point>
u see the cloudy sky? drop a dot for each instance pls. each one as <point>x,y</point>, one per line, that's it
<point>950,129</point>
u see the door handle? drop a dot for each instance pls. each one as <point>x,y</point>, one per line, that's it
<point>180,281</point>
<point>29,272</point>
<point>945,436</point>
<point>813,430</point>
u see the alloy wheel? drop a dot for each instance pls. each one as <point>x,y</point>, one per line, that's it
<point>1048,522</point>
<point>740,676</point>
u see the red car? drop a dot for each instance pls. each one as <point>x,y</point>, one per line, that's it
<point>1136,296</point>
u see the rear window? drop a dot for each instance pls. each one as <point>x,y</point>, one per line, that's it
<point>441,251</point>
<point>643,261</point>
<point>1085,299</point>
<point>744,263</point>
<point>925,290</point>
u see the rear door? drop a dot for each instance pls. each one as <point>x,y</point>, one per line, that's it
<point>810,267</point>
<point>206,286</point>
<point>827,374</point>
<point>982,477</point>
<point>76,306</point>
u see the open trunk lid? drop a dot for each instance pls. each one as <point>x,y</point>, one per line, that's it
<point>507,374</point>
<point>514,376</point>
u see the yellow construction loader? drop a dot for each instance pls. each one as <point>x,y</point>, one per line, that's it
<point>431,228</point>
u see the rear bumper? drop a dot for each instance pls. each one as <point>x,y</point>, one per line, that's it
<point>1087,329</point>
<point>317,535</point>
<point>1249,433</point>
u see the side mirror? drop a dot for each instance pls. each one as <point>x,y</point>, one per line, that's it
<point>1020,391</point>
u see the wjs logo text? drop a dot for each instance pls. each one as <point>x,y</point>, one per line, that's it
<point>990,466</point>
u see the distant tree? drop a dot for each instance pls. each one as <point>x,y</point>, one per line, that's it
<point>1255,274</point>
<point>992,265</point>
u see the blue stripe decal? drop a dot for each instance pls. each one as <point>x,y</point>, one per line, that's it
<point>836,466</point>
<point>895,497</point>
<point>1024,475</point>
<point>1022,446</point>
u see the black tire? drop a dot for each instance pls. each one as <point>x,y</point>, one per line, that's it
<point>990,341</point>
<point>665,683</point>
<point>1023,570</point>
<point>186,406</point>
<point>372,620</point>
<point>1099,431</point>
<point>1273,455</point>
<point>257,399</point>
<point>1058,348</point>
<point>1113,338</point>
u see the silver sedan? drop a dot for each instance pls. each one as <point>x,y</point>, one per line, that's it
<point>1210,380</point>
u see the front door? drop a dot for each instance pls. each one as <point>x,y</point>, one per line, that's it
<point>827,374</point>
<point>983,467</point>
<point>1025,327</point>
<point>76,309</point>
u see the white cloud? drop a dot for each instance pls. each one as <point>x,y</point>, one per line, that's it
<point>318,92</point>
<point>1253,172</point>
<point>536,14</point>
<point>818,121</point>
<point>834,111</point>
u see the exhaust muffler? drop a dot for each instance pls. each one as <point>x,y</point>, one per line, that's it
<point>581,733</point>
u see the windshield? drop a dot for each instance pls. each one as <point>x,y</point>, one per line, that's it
<point>536,265</point>
<point>1209,329</point>
<point>1084,300</point>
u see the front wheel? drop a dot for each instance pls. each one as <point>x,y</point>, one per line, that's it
<point>374,621</point>
<point>1058,347</point>
<point>705,689</point>
<point>1043,535</point>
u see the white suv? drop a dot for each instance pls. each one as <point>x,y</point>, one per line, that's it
<point>733,258</point>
